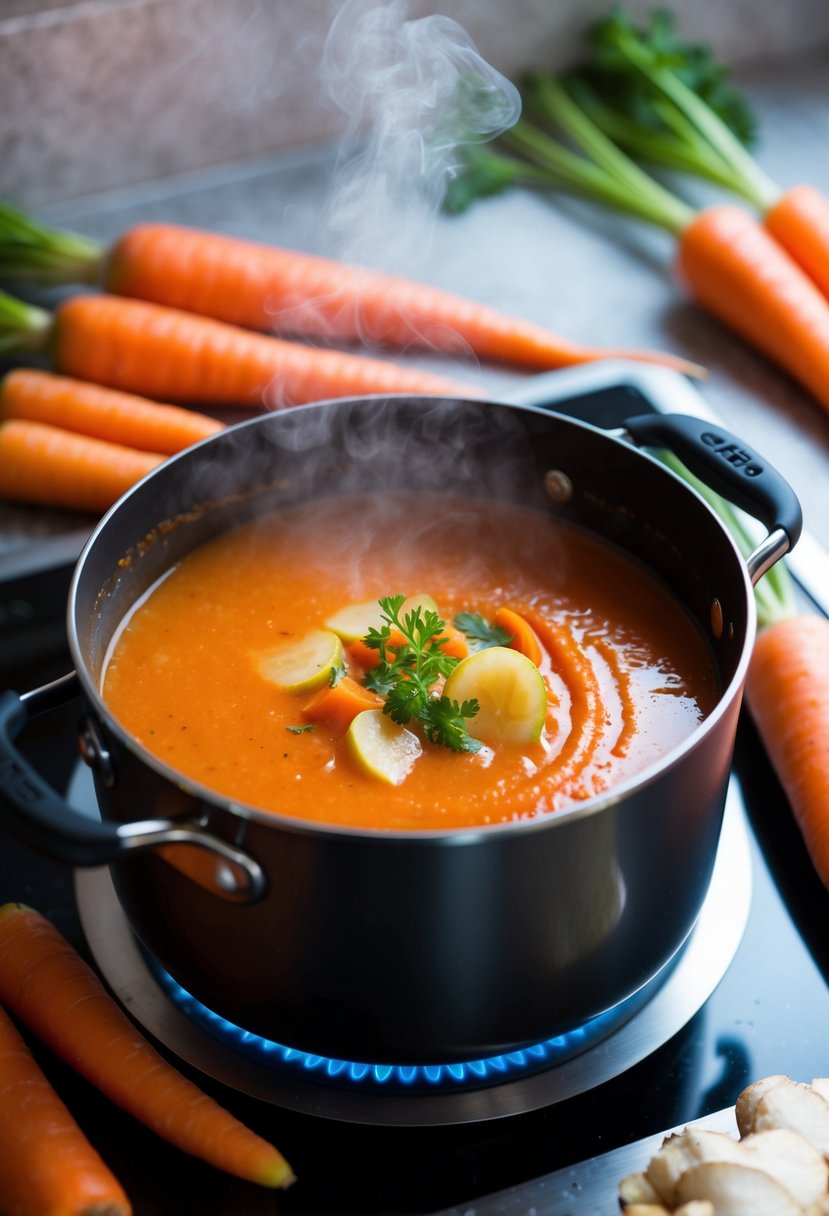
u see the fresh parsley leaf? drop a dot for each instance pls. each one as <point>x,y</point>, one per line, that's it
<point>300,730</point>
<point>410,661</point>
<point>478,630</point>
<point>444,723</point>
<point>335,675</point>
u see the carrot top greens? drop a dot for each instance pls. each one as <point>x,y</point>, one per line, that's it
<point>618,46</point>
<point>23,327</point>
<point>774,594</point>
<point>564,149</point>
<point>641,93</point>
<point>407,670</point>
<point>34,252</point>
<point>669,102</point>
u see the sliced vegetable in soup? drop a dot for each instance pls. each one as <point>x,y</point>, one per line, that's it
<point>401,661</point>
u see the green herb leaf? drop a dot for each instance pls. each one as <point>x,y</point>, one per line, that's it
<point>444,722</point>
<point>300,730</point>
<point>407,670</point>
<point>480,632</point>
<point>336,674</point>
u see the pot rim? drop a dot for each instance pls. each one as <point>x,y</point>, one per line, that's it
<point>450,836</point>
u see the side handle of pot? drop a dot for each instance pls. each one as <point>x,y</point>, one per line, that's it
<point>36,814</point>
<point>728,466</point>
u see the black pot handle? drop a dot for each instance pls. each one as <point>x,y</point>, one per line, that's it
<point>731,468</point>
<point>33,812</point>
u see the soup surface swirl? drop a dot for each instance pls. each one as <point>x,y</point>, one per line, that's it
<point>628,674</point>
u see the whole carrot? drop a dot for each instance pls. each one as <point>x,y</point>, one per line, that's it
<point>170,355</point>
<point>740,274</point>
<point>799,221</point>
<point>663,109</point>
<point>101,413</point>
<point>47,1165</point>
<point>730,263</point>
<point>49,987</point>
<point>787,693</point>
<point>51,467</point>
<point>286,292</point>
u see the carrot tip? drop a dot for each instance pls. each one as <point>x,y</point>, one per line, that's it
<point>277,1174</point>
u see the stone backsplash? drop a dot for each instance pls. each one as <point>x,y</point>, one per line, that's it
<point>96,94</point>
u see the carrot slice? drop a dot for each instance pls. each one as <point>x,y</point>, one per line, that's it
<point>339,706</point>
<point>522,634</point>
<point>177,356</point>
<point>46,984</point>
<point>787,693</point>
<point>89,409</point>
<point>453,642</point>
<point>52,467</point>
<point>47,1165</point>
<point>361,655</point>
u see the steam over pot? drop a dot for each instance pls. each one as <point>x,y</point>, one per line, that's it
<point>411,946</point>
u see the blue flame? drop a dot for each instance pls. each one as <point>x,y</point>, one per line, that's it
<point>468,1073</point>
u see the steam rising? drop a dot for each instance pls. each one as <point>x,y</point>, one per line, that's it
<point>413,90</point>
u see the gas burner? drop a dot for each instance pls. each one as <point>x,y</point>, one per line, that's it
<point>395,1095</point>
<point>402,1077</point>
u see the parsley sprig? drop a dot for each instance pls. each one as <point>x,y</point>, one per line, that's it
<point>480,632</point>
<point>408,669</point>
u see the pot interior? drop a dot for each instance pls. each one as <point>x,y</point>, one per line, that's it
<point>476,449</point>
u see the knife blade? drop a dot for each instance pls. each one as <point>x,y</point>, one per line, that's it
<point>589,1188</point>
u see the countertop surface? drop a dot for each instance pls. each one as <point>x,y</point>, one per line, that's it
<point>596,279</point>
<point>591,276</point>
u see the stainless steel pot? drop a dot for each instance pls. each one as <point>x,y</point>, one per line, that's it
<point>411,946</point>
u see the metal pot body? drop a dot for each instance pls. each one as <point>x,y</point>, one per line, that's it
<point>412,947</point>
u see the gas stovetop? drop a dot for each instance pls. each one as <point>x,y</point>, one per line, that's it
<point>437,1094</point>
<point>746,997</point>
<point>686,1052</point>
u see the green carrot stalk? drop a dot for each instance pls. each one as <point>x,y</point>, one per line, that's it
<point>774,593</point>
<point>24,329</point>
<point>35,253</point>
<point>668,102</point>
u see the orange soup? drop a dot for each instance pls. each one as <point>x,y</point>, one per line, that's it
<point>210,671</point>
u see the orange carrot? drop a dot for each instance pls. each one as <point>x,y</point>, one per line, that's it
<point>799,221</point>
<point>75,405</point>
<point>453,642</point>
<point>46,984</point>
<point>730,262</point>
<point>361,655</point>
<point>56,468</point>
<point>338,706</point>
<point>47,1165</point>
<point>264,287</point>
<point>739,273</point>
<point>522,634</point>
<point>283,291</point>
<point>787,693</point>
<point>170,355</point>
